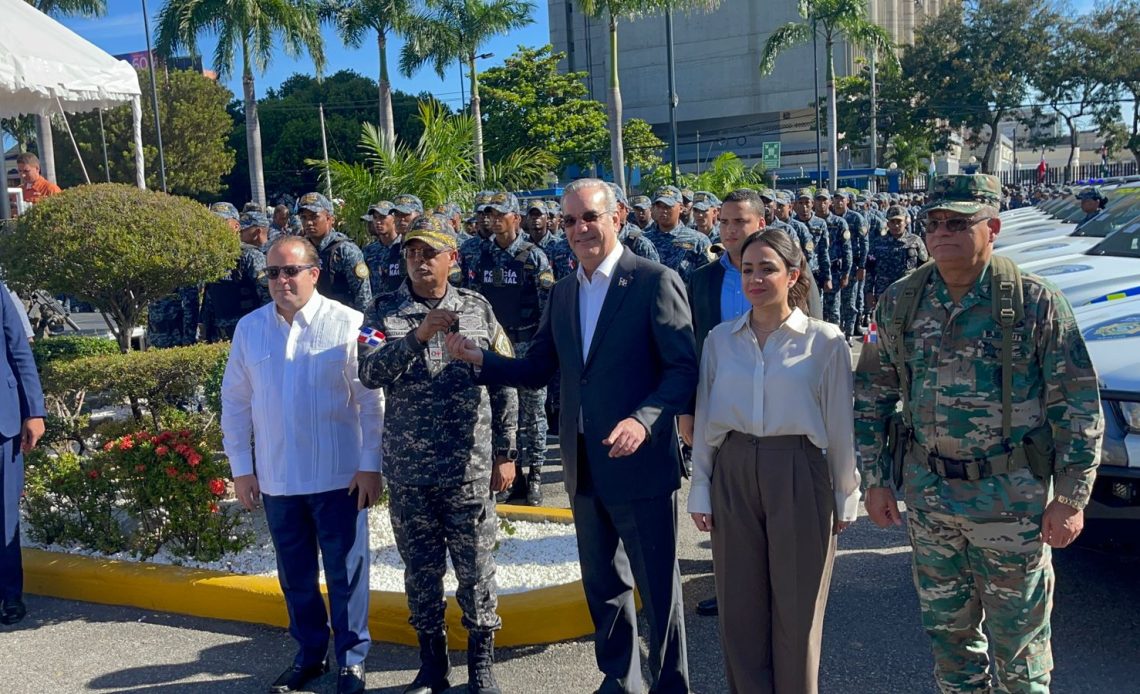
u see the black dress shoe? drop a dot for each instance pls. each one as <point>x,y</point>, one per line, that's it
<point>12,611</point>
<point>350,680</point>
<point>708,608</point>
<point>297,677</point>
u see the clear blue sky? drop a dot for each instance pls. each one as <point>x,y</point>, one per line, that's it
<point>121,31</point>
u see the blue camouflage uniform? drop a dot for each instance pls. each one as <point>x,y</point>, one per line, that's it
<point>386,268</point>
<point>440,433</point>
<point>839,252</point>
<point>172,321</point>
<point>246,287</point>
<point>852,294</point>
<point>344,274</point>
<point>817,228</point>
<point>517,281</point>
<point>681,248</point>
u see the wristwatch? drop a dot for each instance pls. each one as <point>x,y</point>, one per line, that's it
<point>511,454</point>
<point>1061,498</point>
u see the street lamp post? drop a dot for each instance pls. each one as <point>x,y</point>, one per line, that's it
<point>154,99</point>
<point>672,94</point>
<point>815,83</point>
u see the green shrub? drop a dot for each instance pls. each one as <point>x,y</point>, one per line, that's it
<point>68,347</point>
<point>213,384</point>
<point>71,501</point>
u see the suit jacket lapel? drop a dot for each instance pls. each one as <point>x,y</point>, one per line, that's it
<point>576,315</point>
<point>619,288</point>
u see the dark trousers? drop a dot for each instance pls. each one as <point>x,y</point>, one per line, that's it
<point>11,562</point>
<point>301,525</point>
<point>619,544</point>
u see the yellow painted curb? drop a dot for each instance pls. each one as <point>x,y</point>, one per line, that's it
<point>545,615</point>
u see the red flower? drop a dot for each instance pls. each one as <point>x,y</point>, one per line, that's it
<point>164,437</point>
<point>171,472</point>
<point>140,468</point>
<point>93,474</point>
<point>126,443</point>
<point>161,451</point>
<point>214,507</point>
<point>108,446</point>
<point>190,477</point>
<point>182,449</point>
<point>193,459</point>
<point>185,433</point>
<point>217,487</point>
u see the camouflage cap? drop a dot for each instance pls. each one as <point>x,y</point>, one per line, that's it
<point>253,219</point>
<point>225,210</point>
<point>704,200</point>
<point>482,198</point>
<point>640,202</point>
<point>619,194</point>
<point>539,205</point>
<point>822,194</point>
<point>669,195</point>
<point>804,193</point>
<point>896,212</point>
<point>1090,193</point>
<point>252,207</point>
<point>314,202</point>
<point>880,197</point>
<point>553,207</point>
<point>964,193</point>
<point>382,208</point>
<point>768,195</point>
<point>782,197</point>
<point>687,195</point>
<point>406,203</point>
<point>433,230</point>
<point>503,202</point>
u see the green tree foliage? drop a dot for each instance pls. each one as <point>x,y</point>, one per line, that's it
<point>195,133</point>
<point>117,248</point>
<point>439,168</point>
<point>974,63</point>
<point>290,112</point>
<point>248,31</point>
<point>897,117</point>
<point>457,30</point>
<point>527,102</point>
<point>725,173</point>
<point>1118,45</point>
<point>642,146</point>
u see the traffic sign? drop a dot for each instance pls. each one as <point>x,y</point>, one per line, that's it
<point>771,154</point>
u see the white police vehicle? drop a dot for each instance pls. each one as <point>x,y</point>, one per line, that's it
<point>1112,332</point>
<point>1123,209</point>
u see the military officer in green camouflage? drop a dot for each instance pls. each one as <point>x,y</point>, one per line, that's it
<point>440,433</point>
<point>996,447</point>
<point>344,274</point>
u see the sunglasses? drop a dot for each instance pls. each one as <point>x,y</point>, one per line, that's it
<point>275,271</point>
<point>955,224</point>
<point>414,254</point>
<point>589,217</point>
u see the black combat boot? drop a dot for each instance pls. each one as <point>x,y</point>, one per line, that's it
<point>534,487</point>
<point>480,658</point>
<point>435,668</point>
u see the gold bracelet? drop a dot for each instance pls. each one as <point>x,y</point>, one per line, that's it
<point>1069,502</point>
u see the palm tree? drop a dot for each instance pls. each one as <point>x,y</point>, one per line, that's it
<point>71,8</point>
<point>255,27</point>
<point>353,18</point>
<point>831,20</point>
<point>457,30</point>
<point>612,10</point>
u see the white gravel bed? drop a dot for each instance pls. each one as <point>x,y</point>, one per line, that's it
<point>537,555</point>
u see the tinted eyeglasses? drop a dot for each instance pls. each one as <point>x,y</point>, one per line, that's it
<point>414,254</point>
<point>275,271</point>
<point>954,225</point>
<point>589,217</point>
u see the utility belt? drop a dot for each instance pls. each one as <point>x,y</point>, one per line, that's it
<point>518,335</point>
<point>1036,452</point>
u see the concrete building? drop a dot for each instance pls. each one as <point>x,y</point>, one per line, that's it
<point>724,103</point>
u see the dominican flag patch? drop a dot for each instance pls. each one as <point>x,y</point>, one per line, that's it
<point>872,335</point>
<point>371,337</point>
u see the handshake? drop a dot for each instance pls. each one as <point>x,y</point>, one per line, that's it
<point>447,322</point>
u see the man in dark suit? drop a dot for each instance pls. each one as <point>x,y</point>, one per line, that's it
<point>21,426</point>
<point>620,331</point>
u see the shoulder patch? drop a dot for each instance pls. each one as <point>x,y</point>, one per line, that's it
<point>809,247</point>
<point>846,235</point>
<point>370,337</point>
<point>501,344</point>
<point>361,270</point>
<point>262,278</point>
<point>546,279</point>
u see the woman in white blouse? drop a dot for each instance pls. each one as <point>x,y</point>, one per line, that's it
<point>774,393</point>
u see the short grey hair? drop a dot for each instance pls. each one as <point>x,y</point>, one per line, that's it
<point>308,250</point>
<point>583,184</point>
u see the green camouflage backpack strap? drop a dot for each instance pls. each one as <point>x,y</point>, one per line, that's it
<point>901,317</point>
<point>1008,297</point>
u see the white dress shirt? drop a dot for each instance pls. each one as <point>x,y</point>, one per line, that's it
<point>592,294</point>
<point>798,384</point>
<point>294,388</point>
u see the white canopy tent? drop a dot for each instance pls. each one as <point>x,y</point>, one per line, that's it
<point>45,68</point>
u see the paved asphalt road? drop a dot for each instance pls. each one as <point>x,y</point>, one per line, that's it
<point>873,641</point>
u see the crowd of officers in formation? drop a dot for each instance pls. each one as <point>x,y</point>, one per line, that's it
<point>512,253</point>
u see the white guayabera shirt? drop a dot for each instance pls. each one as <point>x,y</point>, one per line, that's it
<point>295,388</point>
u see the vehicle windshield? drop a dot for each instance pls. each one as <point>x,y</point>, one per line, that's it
<point>1125,243</point>
<point>1123,208</point>
<point>1071,211</point>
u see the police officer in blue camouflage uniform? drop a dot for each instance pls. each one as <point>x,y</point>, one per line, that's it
<point>447,444</point>
<point>1092,204</point>
<point>254,230</point>
<point>680,248</point>
<point>406,207</point>
<point>640,207</point>
<point>384,254</point>
<point>246,288</point>
<point>817,227</point>
<point>706,215</point>
<point>515,276</point>
<point>852,295</point>
<point>782,219</point>
<point>172,321</point>
<point>893,255</point>
<point>537,226</point>
<point>344,274</point>
<point>839,247</point>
